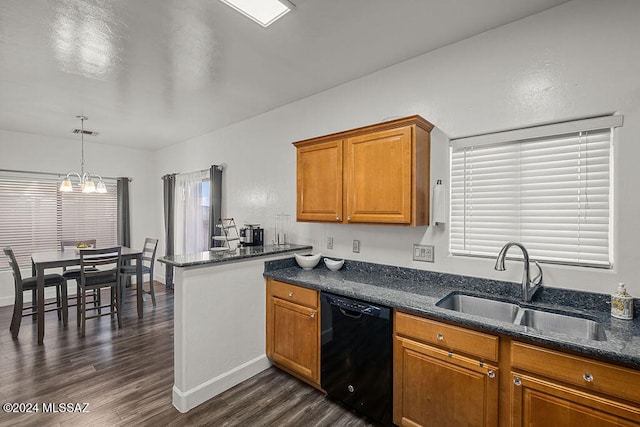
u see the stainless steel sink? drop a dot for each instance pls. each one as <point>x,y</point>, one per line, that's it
<point>478,306</point>
<point>566,324</point>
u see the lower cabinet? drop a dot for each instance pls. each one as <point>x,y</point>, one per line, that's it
<point>446,375</point>
<point>439,380</point>
<point>551,388</point>
<point>293,330</point>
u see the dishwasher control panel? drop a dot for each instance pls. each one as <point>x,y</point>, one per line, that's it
<point>357,306</point>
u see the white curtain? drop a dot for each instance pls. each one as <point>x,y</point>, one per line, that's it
<point>192,212</point>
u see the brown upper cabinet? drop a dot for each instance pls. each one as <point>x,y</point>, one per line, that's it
<point>377,174</point>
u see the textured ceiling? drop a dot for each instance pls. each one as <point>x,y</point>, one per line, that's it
<point>150,73</point>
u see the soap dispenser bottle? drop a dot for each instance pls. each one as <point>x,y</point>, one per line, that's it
<point>622,303</point>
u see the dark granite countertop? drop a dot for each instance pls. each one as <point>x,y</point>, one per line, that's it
<point>214,257</point>
<point>417,291</point>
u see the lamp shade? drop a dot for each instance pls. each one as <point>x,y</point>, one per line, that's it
<point>101,188</point>
<point>89,186</point>
<point>66,186</point>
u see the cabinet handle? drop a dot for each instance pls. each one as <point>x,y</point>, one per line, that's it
<point>312,315</point>
<point>440,337</point>
<point>337,218</point>
<point>587,377</point>
<point>517,381</point>
<point>290,294</point>
<point>491,374</point>
<point>349,218</point>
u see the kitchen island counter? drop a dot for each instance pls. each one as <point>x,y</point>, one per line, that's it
<point>215,257</point>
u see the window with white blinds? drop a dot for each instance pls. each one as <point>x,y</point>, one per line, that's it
<point>35,216</point>
<point>548,188</point>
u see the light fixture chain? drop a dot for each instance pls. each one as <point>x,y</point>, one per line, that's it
<point>82,119</point>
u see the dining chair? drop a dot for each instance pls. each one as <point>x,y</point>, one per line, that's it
<point>30,284</point>
<point>148,261</point>
<point>74,273</point>
<point>99,269</point>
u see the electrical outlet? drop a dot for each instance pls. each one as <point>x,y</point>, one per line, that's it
<point>356,246</point>
<point>329,242</point>
<point>423,253</point>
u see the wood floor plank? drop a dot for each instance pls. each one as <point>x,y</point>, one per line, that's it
<point>126,376</point>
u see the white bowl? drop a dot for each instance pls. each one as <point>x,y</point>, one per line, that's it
<point>333,265</point>
<point>307,262</point>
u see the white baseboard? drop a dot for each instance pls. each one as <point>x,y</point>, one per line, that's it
<point>6,301</point>
<point>189,399</point>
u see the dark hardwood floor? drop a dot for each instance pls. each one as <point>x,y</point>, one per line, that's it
<point>126,376</point>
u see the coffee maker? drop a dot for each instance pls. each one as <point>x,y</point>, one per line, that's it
<point>251,235</point>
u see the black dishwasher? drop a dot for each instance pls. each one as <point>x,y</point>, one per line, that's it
<point>356,355</point>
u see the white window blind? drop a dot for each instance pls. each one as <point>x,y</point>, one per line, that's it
<point>35,216</point>
<point>550,192</point>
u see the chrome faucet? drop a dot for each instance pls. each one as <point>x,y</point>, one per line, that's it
<point>529,286</point>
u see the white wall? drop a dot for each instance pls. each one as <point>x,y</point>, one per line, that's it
<point>21,151</point>
<point>577,60</point>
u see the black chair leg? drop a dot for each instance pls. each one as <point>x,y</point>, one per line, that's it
<point>115,306</point>
<point>34,305</point>
<point>59,302</point>
<point>65,304</point>
<point>17,316</point>
<point>151,290</point>
<point>113,300</point>
<point>123,290</point>
<point>83,311</point>
<point>78,307</point>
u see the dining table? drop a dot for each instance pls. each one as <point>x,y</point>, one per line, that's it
<point>40,261</point>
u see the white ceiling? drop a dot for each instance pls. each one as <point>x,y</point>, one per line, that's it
<point>150,73</point>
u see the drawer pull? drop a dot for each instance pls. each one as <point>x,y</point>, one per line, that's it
<point>440,337</point>
<point>491,374</point>
<point>517,381</point>
<point>312,315</point>
<point>337,218</point>
<point>290,294</point>
<point>587,377</point>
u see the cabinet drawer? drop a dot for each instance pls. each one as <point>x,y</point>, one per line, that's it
<point>453,338</point>
<point>293,293</point>
<point>586,373</point>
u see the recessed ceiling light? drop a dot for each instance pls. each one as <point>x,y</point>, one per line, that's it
<point>264,12</point>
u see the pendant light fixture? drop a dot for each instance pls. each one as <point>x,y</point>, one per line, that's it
<point>86,179</point>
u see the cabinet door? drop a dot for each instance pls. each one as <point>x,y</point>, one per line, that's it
<point>292,338</point>
<point>319,182</point>
<point>434,387</point>
<point>538,402</point>
<point>378,170</point>
<point>598,377</point>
